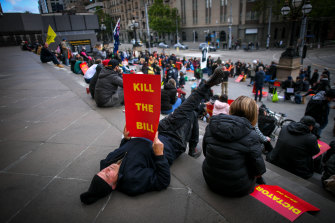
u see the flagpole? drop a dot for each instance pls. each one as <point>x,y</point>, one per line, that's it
<point>116,25</point>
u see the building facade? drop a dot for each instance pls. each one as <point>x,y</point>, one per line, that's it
<point>50,6</point>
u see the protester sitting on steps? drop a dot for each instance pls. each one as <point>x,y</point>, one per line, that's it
<point>221,105</point>
<point>328,162</point>
<point>47,55</point>
<point>94,79</point>
<point>109,86</point>
<point>232,149</point>
<point>295,147</point>
<point>139,165</point>
<point>77,69</point>
<point>91,71</point>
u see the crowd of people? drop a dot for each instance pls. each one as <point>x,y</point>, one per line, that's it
<point>235,137</point>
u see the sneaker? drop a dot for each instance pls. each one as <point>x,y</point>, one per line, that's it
<point>216,78</point>
<point>60,65</point>
<point>195,153</point>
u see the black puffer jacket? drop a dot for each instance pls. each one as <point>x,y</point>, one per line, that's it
<point>168,97</point>
<point>94,79</point>
<point>295,147</point>
<point>233,155</point>
<point>106,86</point>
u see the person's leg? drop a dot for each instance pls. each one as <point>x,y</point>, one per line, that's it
<point>256,94</point>
<point>226,88</point>
<point>222,88</point>
<point>116,100</point>
<point>260,93</point>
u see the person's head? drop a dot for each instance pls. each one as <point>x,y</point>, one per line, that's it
<point>173,82</point>
<point>80,58</point>
<point>223,98</point>
<point>330,94</point>
<point>98,61</point>
<point>46,45</point>
<point>64,39</point>
<point>289,78</point>
<point>309,121</point>
<point>245,107</point>
<point>261,111</point>
<point>181,74</point>
<point>316,70</point>
<point>114,64</point>
<point>260,68</point>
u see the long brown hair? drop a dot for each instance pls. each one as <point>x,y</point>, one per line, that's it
<point>245,107</point>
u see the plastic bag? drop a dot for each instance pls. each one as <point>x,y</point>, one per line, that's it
<point>275,96</point>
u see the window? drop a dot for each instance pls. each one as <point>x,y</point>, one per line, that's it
<point>208,11</point>
<point>222,3</point>
<point>195,11</point>
<point>183,12</point>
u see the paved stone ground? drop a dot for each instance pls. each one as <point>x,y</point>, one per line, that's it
<point>52,137</point>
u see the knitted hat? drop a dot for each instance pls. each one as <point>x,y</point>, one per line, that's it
<point>98,189</point>
<point>308,120</point>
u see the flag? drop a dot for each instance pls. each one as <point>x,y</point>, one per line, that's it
<point>51,35</point>
<point>116,37</point>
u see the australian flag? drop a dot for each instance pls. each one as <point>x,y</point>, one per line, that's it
<point>116,37</point>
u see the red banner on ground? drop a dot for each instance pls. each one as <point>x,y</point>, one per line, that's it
<point>84,67</point>
<point>282,201</point>
<point>323,148</point>
<point>239,78</point>
<point>142,99</point>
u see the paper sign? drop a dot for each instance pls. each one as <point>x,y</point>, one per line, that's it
<point>281,201</point>
<point>290,90</point>
<point>239,78</point>
<point>323,148</point>
<point>83,67</point>
<point>142,98</point>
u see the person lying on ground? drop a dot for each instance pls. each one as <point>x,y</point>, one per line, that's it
<point>139,165</point>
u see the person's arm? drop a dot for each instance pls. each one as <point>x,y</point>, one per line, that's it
<point>255,161</point>
<point>313,145</point>
<point>117,80</point>
<point>262,137</point>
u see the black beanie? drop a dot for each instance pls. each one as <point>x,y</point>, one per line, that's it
<point>98,189</point>
<point>113,63</point>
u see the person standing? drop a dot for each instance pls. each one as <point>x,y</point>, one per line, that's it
<point>65,52</point>
<point>259,83</point>
<point>224,84</point>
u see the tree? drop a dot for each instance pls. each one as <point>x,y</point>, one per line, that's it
<point>162,18</point>
<point>105,19</point>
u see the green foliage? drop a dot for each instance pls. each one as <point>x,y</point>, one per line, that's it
<point>162,18</point>
<point>105,18</point>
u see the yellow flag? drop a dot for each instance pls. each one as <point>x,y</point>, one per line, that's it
<point>51,35</point>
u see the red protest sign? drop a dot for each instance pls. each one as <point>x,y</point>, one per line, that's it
<point>323,148</point>
<point>282,201</point>
<point>83,67</point>
<point>239,78</point>
<point>142,99</point>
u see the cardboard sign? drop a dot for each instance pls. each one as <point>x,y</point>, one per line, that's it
<point>323,148</point>
<point>281,201</point>
<point>84,67</point>
<point>142,99</point>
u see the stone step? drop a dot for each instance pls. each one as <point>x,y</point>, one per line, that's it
<point>248,209</point>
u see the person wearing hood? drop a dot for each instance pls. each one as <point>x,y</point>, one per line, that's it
<point>295,148</point>
<point>221,106</point>
<point>169,100</point>
<point>318,107</point>
<point>109,86</point>
<point>232,149</point>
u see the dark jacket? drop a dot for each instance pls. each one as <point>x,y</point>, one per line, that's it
<point>168,97</point>
<point>295,147</point>
<point>45,55</point>
<point>140,171</point>
<point>98,54</point>
<point>94,79</point>
<point>318,108</point>
<point>233,155</point>
<point>107,85</point>
<point>259,79</point>
<point>266,124</point>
